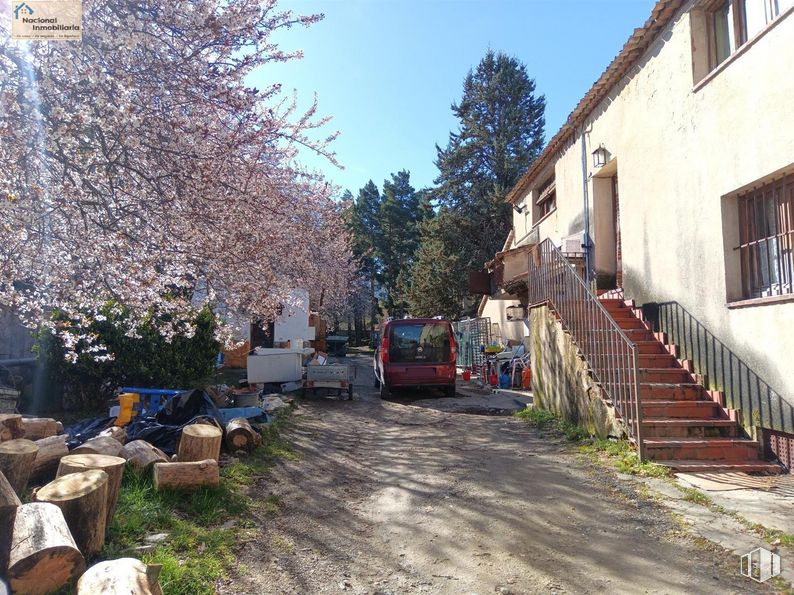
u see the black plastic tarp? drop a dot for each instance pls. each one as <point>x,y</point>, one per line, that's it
<point>162,430</point>
<point>85,429</point>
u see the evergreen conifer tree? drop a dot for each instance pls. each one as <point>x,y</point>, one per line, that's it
<point>500,133</point>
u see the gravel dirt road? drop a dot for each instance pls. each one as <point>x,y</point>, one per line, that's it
<point>392,498</point>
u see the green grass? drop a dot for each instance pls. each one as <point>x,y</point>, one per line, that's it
<point>619,452</point>
<point>695,496</point>
<point>542,418</point>
<point>774,536</point>
<point>197,552</point>
<point>782,585</point>
<point>624,457</point>
<point>535,416</point>
<point>199,549</point>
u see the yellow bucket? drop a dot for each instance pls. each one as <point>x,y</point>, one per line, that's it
<point>127,402</point>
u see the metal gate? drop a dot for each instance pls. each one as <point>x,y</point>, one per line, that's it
<point>472,334</point>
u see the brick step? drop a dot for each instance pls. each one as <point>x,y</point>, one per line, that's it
<point>681,409</point>
<point>630,323</point>
<point>709,449</point>
<point>622,313</point>
<point>650,361</point>
<point>650,347</point>
<point>613,303</point>
<point>639,334</point>
<point>666,364</point>
<point>666,375</point>
<point>661,360</point>
<point>689,428</point>
<point>660,391</point>
<point>693,466</point>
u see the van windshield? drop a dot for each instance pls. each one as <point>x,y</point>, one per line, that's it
<point>419,343</point>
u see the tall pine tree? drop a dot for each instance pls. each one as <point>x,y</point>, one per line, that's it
<point>398,242</point>
<point>500,133</point>
<point>434,289</point>
<point>364,225</point>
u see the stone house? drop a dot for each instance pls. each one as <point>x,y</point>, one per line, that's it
<point>672,185</point>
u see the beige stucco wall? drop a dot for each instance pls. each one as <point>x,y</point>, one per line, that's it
<point>679,151</point>
<point>510,330</point>
<point>567,218</point>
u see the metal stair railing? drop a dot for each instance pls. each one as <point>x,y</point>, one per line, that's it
<point>609,353</point>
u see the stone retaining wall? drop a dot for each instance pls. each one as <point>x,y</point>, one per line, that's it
<point>560,379</point>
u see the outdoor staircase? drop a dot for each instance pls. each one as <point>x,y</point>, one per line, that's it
<point>684,425</point>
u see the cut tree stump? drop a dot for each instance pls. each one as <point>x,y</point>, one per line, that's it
<point>100,445</point>
<point>44,557</point>
<point>113,466</point>
<point>9,502</point>
<point>117,433</point>
<point>37,428</point>
<point>16,462</point>
<point>82,497</point>
<point>186,476</point>
<point>11,426</point>
<point>125,576</point>
<point>141,455</point>
<point>241,436</point>
<point>50,452</point>
<point>199,442</point>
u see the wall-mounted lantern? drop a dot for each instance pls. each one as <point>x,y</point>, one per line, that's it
<point>600,156</point>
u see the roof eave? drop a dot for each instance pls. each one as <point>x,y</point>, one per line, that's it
<point>661,14</point>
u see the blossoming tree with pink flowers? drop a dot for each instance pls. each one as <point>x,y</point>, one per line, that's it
<point>138,165</point>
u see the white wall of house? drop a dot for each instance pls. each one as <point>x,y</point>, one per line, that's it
<point>682,149</point>
<point>510,330</point>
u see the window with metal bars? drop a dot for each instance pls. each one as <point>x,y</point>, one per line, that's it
<point>766,238</point>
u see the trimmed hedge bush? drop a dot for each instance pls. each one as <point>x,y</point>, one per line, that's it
<point>147,361</point>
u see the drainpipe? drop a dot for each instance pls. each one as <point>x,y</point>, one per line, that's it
<point>586,199</point>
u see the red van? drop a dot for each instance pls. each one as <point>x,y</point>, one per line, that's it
<point>416,352</point>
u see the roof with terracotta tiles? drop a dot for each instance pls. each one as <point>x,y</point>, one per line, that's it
<point>632,50</point>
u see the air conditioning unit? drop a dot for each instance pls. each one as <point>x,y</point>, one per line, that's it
<point>573,244</point>
<point>515,313</point>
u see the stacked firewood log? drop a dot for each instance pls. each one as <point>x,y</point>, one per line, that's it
<point>46,541</point>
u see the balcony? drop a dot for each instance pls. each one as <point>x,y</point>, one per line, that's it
<point>505,276</point>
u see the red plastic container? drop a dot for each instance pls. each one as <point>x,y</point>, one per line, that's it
<point>466,375</point>
<point>526,378</point>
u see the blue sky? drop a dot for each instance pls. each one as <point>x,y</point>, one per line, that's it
<point>388,70</point>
